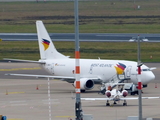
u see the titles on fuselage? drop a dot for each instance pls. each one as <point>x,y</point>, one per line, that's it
<point>101,65</point>
<point>98,65</point>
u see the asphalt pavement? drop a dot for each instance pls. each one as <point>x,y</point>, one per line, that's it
<point>23,98</point>
<point>89,37</point>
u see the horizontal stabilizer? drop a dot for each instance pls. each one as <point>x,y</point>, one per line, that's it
<point>27,61</point>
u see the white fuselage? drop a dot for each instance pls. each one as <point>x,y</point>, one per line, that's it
<point>105,70</point>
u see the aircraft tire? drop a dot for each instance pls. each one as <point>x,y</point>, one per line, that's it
<point>107,104</point>
<point>132,93</point>
<point>124,104</point>
<point>83,91</point>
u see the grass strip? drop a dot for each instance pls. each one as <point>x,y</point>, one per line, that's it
<point>89,50</point>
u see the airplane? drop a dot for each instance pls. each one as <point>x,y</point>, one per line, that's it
<point>92,71</point>
<point>116,95</point>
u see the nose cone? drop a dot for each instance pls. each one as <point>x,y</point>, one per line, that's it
<point>147,77</point>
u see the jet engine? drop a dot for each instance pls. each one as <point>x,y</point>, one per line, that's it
<point>124,93</point>
<point>85,84</point>
<point>108,93</point>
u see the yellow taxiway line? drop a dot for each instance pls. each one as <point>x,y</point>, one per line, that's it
<point>15,69</point>
<point>15,119</point>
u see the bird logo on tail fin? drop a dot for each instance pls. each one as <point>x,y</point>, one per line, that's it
<point>120,68</point>
<point>45,43</point>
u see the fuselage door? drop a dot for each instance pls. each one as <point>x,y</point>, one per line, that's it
<point>128,72</point>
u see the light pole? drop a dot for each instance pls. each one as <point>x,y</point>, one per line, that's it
<point>139,64</point>
<point>78,109</point>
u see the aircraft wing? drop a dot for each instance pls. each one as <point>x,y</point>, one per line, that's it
<point>150,97</point>
<point>63,78</point>
<point>135,98</point>
<point>96,98</point>
<point>41,76</point>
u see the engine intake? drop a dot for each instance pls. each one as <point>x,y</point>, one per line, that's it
<point>85,84</point>
<point>108,93</point>
<point>124,93</point>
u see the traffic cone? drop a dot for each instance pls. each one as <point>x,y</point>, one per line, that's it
<point>6,92</point>
<point>37,88</point>
<point>69,118</point>
<point>155,85</point>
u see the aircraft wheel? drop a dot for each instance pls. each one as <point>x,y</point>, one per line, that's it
<point>132,93</point>
<point>124,104</point>
<point>82,91</point>
<point>114,103</point>
<point>107,104</point>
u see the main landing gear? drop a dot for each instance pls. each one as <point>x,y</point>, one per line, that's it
<point>125,103</point>
<point>107,104</point>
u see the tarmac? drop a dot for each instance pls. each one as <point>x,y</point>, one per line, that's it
<point>26,98</point>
